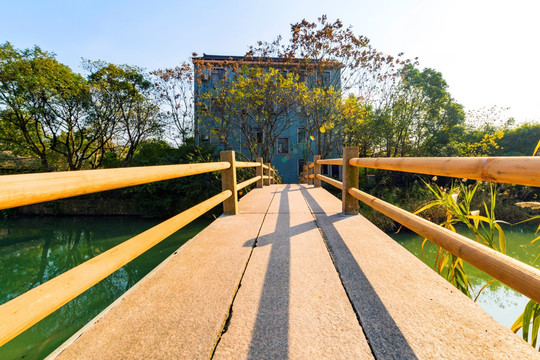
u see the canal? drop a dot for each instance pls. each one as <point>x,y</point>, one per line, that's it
<point>36,249</point>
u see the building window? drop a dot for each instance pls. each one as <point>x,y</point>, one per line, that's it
<point>259,136</point>
<point>335,171</point>
<point>217,139</point>
<point>283,146</point>
<point>326,78</point>
<point>217,75</point>
<point>301,163</point>
<point>324,169</point>
<point>301,135</point>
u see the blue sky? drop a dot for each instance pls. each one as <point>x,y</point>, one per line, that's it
<point>487,51</point>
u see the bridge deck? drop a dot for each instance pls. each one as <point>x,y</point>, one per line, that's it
<point>291,277</point>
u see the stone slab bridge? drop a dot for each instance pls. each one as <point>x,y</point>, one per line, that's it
<point>288,272</point>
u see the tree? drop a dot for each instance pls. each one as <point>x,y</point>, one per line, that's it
<point>519,141</point>
<point>483,133</point>
<point>359,126</point>
<point>318,112</point>
<point>421,116</point>
<point>21,81</point>
<point>251,108</point>
<point>315,47</point>
<point>45,109</point>
<point>175,91</point>
<point>129,103</point>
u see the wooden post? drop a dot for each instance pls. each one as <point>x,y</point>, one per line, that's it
<point>228,182</point>
<point>271,176</point>
<point>260,172</point>
<point>267,181</point>
<point>316,170</point>
<point>306,174</point>
<point>350,179</point>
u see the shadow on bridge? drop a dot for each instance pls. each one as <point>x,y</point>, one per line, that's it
<point>270,337</point>
<point>384,336</point>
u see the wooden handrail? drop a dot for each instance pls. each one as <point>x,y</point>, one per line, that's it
<point>312,176</point>
<point>266,167</point>
<point>521,170</point>
<point>266,177</point>
<point>27,309</point>
<point>18,190</point>
<point>243,184</point>
<point>517,275</point>
<point>243,164</point>
<point>310,165</point>
<point>330,161</point>
<point>330,181</point>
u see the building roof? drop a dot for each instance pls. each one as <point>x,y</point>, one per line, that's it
<point>257,60</point>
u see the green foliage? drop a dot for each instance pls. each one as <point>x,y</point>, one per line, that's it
<point>359,126</point>
<point>529,323</point>
<point>418,118</point>
<point>318,109</point>
<point>69,122</point>
<point>457,201</point>
<point>167,198</point>
<point>519,141</point>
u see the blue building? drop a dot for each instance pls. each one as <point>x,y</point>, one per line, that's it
<point>294,145</point>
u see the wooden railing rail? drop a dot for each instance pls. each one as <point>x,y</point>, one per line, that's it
<point>330,162</point>
<point>515,170</point>
<point>19,190</point>
<point>520,170</point>
<point>243,164</point>
<point>243,184</point>
<point>330,181</point>
<point>21,313</point>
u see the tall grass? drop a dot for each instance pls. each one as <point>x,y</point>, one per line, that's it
<point>457,202</point>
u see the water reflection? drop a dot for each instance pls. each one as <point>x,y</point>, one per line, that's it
<point>36,249</point>
<point>498,300</point>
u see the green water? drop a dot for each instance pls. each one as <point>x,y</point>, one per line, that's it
<point>498,300</point>
<point>36,249</point>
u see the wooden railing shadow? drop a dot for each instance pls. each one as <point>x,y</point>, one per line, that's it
<point>383,335</point>
<point>270,338</point>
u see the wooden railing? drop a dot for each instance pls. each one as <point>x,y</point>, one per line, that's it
<point>21,313</point>
<point>517,170</point>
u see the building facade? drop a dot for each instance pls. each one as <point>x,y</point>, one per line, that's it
<point>294,144</point>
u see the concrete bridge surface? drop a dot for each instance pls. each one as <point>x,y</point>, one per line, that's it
<point>291,277</point>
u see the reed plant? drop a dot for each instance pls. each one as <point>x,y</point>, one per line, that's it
<point>457,202</point>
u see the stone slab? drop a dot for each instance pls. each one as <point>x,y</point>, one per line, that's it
<point>406,309</point>
<point>295,204</point>
<point>291,303</point>
<point>178,311</point>
<point>326,202</point>
<point>257,200</point>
